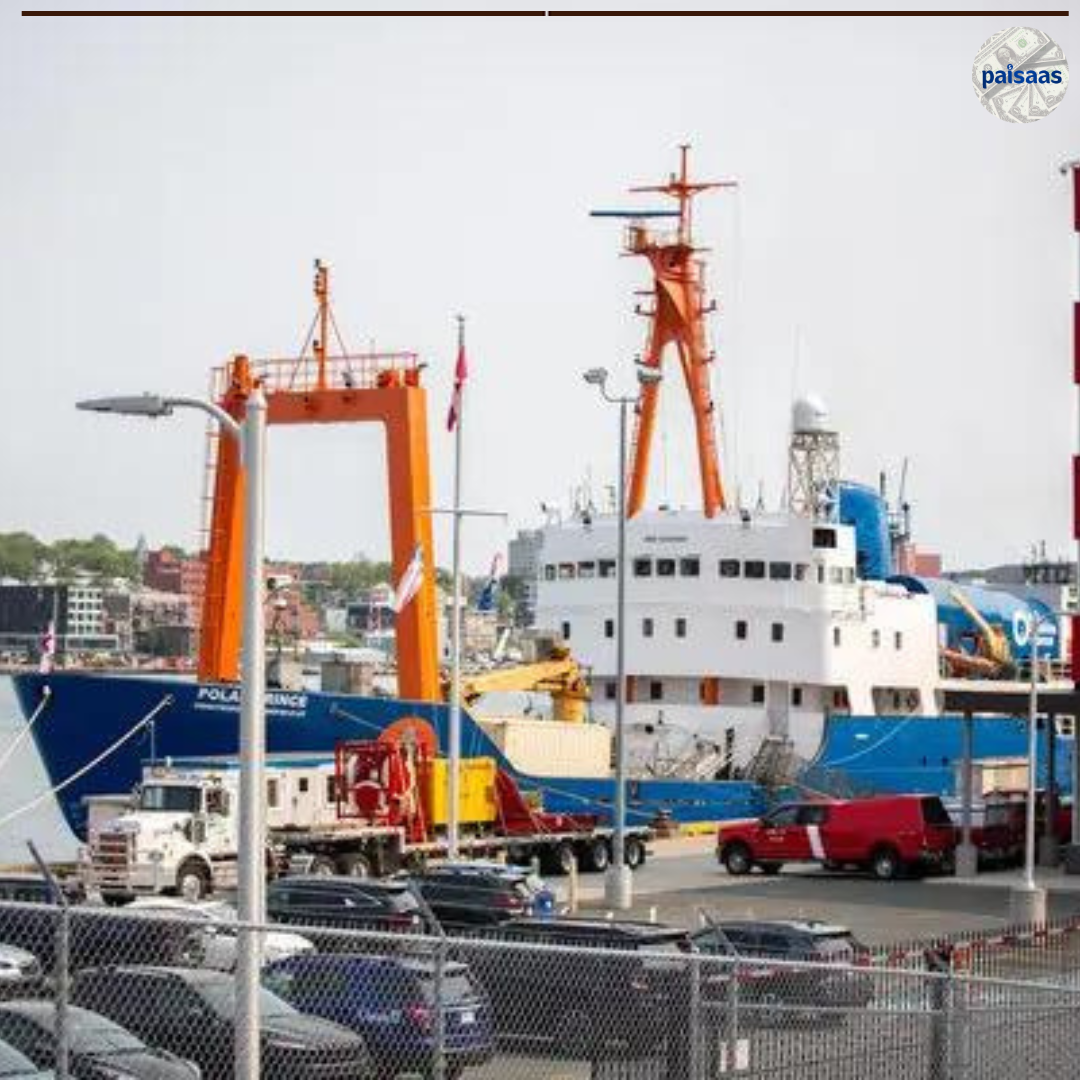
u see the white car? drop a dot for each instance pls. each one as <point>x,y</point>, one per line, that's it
<point>19,969</point>
<point>216,944</point>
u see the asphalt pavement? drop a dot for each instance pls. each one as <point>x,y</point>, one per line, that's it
<point>683,877</point>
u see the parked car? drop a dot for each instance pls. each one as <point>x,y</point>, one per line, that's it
<point>17,1066</point>
<point>482,893</point>
<point>329,901</point>
<point>99,1048</point>
<point>20,973</point>
<point>215,944</point>
<point>887,835</point>
<point>391,1002</point>
<point>97,936</point>
<point>34,889</point>
<point>192,1012</point>
<point>571,999</point>
<point>776,992</point>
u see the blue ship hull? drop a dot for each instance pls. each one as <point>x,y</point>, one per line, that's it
<point>906,753</point>
<point>86,715</point>
<point>91,716</point>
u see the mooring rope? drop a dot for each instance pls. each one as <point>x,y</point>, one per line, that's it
<point>23,734</point>
<point>79,773</point>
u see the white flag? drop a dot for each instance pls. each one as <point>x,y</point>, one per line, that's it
<point>411,580</point>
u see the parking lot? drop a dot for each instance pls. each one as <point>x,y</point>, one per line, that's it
<point>522,1004</point>
<point>683,877</point>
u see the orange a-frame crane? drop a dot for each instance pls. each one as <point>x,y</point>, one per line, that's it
<point>323,389</point>
<point>677,317</point>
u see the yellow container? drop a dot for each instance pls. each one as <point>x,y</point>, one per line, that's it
<point>476,791</point>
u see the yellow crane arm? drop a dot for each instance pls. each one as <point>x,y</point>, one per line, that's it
<point>560,676</point>
<point>995,640</point>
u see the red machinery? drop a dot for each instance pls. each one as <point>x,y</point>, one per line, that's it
<point>378,782</point>
<point>383,782</point>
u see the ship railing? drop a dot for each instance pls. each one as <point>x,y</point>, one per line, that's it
<point>350,371</point>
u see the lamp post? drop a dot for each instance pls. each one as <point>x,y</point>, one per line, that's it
<point>617,883</point>
<point>1028,900</point>
<point>251,897</point>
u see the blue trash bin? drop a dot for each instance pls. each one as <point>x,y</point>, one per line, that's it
<point>544,903</point>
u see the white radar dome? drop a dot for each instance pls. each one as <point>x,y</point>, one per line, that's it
<point>809,415</point>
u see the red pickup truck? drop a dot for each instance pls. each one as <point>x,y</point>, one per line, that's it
<point>887,835</point>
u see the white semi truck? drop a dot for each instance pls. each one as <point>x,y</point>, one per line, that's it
<point>366,814</point>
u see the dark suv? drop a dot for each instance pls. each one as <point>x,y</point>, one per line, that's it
<point>99,1048</point>
<point>193,1013</point>
<point>392,1002</point>
<point>345,902</point>
<point>772,991</point>
<point>97,936</point>
<point>588,995</point>
<point>481,893</point>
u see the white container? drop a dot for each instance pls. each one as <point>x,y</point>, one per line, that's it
<point>551,748</point>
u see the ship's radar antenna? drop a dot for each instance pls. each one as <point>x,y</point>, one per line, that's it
<point>676,309</point>
<point>813,460</point>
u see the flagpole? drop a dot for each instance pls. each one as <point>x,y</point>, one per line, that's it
<point>455,625</point>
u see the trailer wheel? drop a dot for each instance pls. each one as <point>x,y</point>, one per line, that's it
<point>193,881</point>
<point>633,852</point>
<point>597,855</point>
<point>354,865</point>
<point>557,860</point>
<point>322,866</point>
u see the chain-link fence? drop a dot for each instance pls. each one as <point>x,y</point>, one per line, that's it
<point>104,993</point>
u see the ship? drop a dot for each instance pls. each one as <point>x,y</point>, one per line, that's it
<point>767,650</point>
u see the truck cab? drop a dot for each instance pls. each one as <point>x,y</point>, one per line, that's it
<point>179,836</point>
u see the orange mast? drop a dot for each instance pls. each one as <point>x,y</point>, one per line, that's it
<point>323,389</point>
<point>676,317</point>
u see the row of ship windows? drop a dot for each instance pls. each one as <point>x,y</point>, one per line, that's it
<point>690,566</point>
<point>757,693</point>
<point>899,699</point>
<point>742,632</point>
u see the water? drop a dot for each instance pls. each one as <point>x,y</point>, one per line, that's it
<point>23,778</point>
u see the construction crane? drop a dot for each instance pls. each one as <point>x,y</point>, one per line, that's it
<point>559,675</point>
<point>993,656</point>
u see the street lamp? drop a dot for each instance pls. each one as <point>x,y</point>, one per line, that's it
<point>251,894</point>
<point>1028,901</point>
<point>617,883</point>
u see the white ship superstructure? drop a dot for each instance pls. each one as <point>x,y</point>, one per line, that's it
<point>738,627</point>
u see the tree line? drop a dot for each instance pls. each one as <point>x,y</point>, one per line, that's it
<point>25,558</point>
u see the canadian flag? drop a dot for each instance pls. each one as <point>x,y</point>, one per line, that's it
<point>461,373</point>
<point>48,649</point>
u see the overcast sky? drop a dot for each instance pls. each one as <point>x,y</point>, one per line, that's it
<point>892,247</point>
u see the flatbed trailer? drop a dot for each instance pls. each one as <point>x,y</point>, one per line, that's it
<point>380,851</point>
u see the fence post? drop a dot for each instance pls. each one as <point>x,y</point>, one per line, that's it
<point>697,1029</point>
<point>939,966</point>
<point>959,1026</point>
<point>438,1064</point>
<point>572,887</point>
<point>61,967</point>
<point>729,1047</point>
<point>438,1060</point>
<point>63,993</point>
